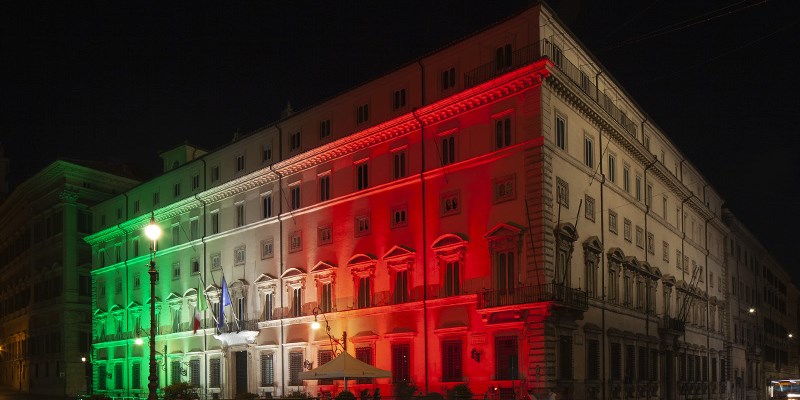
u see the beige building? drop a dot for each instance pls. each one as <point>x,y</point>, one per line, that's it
<point>499,213</point>
<point>45,320</point>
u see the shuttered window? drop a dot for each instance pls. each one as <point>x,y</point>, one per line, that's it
<point>451,361</point>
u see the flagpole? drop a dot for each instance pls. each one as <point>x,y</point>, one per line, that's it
<point>202,282</point>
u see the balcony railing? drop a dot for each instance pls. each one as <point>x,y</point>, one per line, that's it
<point>668,323</point>
<point>534,294</point>
<point>545,48</point>
<point>244,325</point>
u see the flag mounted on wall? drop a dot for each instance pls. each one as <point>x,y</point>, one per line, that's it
<point>201,306</point>
<point>226,301</point>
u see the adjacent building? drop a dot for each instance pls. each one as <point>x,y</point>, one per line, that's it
<point>45,300</point>
<point>499,213</point>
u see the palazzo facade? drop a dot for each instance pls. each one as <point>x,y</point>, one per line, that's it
<point>499,213</point>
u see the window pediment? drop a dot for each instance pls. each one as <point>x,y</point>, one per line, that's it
<point>448,243</point>
<point>324,272</point>
<point>238,288</point>
<point>593,245</point>
<point>399,258</point>
<point>265,283</point>
<point>294,278</point>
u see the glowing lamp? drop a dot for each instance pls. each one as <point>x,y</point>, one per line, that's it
<point>751,310</point>
<point>152,230</point>
<point>791,336</point>
<point>83,359</point>
<point>138,341</point>
<point>315,325</point>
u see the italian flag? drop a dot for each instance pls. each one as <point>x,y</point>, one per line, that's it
<point>200,307</point>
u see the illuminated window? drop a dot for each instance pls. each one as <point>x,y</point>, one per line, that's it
<point>452,362</point>
<point>502,133</point>
<point>448,79</point>
<point>449,203</point>
<point>362,113</point>
<point>399,216</point>
<point>362,225</point>
<point>294,191</point>
<point>561,132</point>
<point>399,166</point>
<point>324,128</point>
<point>266,152</point>
<point>325,187</point>
<point>266,248</point>
<point>506,359</point>
<point>266,205</point>
<point>324,235</point>
<point>503,57</point>
<point>588,152</point>
<point>399,99</point>
<point>240,163</point>
<point>295,241</point>
<point>401,362</point>
<point>294,141</point>
<point>362,175</point>
<point>504,188</point>
<point>562,192</point>
<point>448,148</point>
<point>239,255</point>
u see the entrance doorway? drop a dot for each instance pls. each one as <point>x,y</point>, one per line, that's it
<point>241,372</point>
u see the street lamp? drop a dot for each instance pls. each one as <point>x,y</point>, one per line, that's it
<point>153,231</point>
<point>335,342</point>
<point>138,341</point>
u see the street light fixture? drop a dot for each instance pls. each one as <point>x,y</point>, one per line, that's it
<point>335,342</point>
<point>751,310</point>
<point>153,232</point>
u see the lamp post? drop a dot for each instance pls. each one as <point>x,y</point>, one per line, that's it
<point>335,342</point>
<point>139,342</point>
<point>153,231</point>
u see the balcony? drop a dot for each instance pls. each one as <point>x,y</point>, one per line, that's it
<point>542,49</point>
<point>242,325</point>
<point>671,325</point>
<point>569,297</point>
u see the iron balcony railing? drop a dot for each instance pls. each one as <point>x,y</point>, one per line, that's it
<point>672,324</point>
<point>238,326</point>
<point>534,294</point>
<point>542,49</point>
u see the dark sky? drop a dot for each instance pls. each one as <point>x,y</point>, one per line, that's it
<point>119,81</point>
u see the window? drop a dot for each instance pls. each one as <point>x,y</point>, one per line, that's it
<point>136,375</point>
<point>591,278</point>
<point>326,297</point>
<point>502,133</point>
<point>215,372</point>
<point>240,163</point>
<point>448,79</point>
<point>505,277</point>
<point>664,205</point>
<point>451,361</point>
<point>297,302</point>
<point>565,357</point>
<point>612,168</point>
<point>324,235</point>
<point>562,192</point>
<point>176,271</point>
<point>194,229</point>
<point>239,255</point>
<point>401,362</point>
<point>452,278</point>
<point>266,205</point>
<point>324,357</point>
<point>504,188</point>
<point>118,376</point>
<point>503,57</point>
<point>215,173</point>
<point>638,187</point>
<point>295,366</point>
<point>665,251</point>
<point>294,141</point>
<point>626,178</point>
<point>630,362</point>
<point>399,164</point>
<point>448,144</point>
<point>592,359</point>
<point>176,235</point>
<point>362,225</point>
<point>364,354</point>
<point>266,248</point>
<point>589,208</point>
<point>651,243</point>
<point>240,215</point>
<point>294,191</point>
<point>639,237</point>
<point>561,132</point>
<point>362,175</point>
<point>364,287</point>
<point>176,191</point>
<point>562,272</point>
<point>615,352</point>
<point>266,152</point>
<point>267,370</point>
<point>269,306</point>
<point>362,113</point>
<point>399,216</point>
<point>588,152</point>
<point>195,266</point>
<point>156,198</point>
<point>195,182</point>
<point>215,221</point>
<point>627,233</point>
<point>194,372</point>
<point>295,241</point>
<point>506,360</point>
<point>324,128</point>
<point>612,221</point>
<point>216,261</point>
<point>401,287</point>
<point>399,99</point>
<point>136,209</point>
<point>118,285</point>
<point>449,203</point>
<point>649,195</point>
<point>646,141</point>
<point>324,187</point>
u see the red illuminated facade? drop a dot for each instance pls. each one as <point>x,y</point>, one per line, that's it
<point>456,217</point>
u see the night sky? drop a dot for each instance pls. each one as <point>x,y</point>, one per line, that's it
<point>120,81</point>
